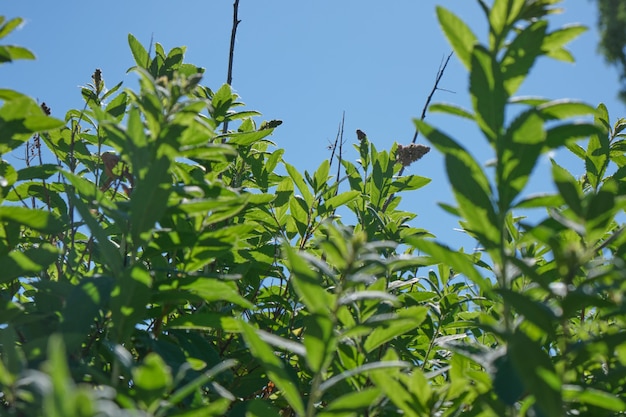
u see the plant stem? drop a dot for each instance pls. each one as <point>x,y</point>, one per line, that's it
<point>231,52</point>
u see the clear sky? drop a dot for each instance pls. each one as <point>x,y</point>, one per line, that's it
<point>305,62</point>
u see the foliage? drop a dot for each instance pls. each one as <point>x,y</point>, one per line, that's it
<point>612,25</point>
<point>159,268</point>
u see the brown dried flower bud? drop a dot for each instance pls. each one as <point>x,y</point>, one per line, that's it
<point>45,109</point>
<point>406,155</point>
<point>97,76</point>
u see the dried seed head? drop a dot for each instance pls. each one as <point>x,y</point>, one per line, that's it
<point>360,135</point>
<point>97,76</point>
<point>406,155</point>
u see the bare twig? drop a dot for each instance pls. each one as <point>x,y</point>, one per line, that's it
<point>340,155</point>
<point>440,72</point>
<point>337,147</point>
<point>442,69</point>
<point>231,52</point>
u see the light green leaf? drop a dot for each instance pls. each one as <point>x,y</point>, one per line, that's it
<point>554,42</point>
<point>451,109</point>
<point>405,321</point>
<point>151,379</point>
<point>341,199</point>
<point>458,34</point>
<point>211,289</point>
<point>524,142</point>
<point>246,138</point>
<point>298,180</point>
<point>139,52</point>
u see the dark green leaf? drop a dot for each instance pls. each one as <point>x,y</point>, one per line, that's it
<point>39,220</point>
<point>488,93</point>
<point>128,301</point>
<point>274,367</point>
<point>28,262</point>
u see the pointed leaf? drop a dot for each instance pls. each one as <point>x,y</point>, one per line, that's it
<point>274,367</point>
<point>458,34</point>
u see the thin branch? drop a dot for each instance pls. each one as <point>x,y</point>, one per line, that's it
<point>231,52</point>
<point>442,69</point>
<point>340,155</point>
<point>440,72</point>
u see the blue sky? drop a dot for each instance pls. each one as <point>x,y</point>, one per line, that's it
<point>305,63</point>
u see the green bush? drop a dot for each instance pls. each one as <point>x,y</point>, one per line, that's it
<point>158,267</point>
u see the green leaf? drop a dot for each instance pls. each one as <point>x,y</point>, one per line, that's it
<point>565,134</point>
<point>110,254</point>
<point>341,199</point>
<point>594,397</point>
<point>149,199</point>
<point>569,188</point>
<point>460,36</point>
<point>57,403</point>
<point>532,310</point>
<point>128,301</point>
<point>488,93</point>
<point>397,393</point>
<point>151,379</point>
<point>501,16</point>
<point>319,341</point>
<point>28,262</point>
<point>460,262</point>
<point>9,53</point>
<point>308,283</point>
<point>10,26</point>
<point>246,138</point>
<point>554,42</point>
<point>535,368</point>
<point>452,109</point>
<point>140,54</point>
<point>409,182</point>
<point>20,117</point>
<point>521,54</point>
<point>87,299</point>
<point>42,172</point>
<point>597,155</point>
<point>298,180</point>
<point>211,289</point>
<point>471,187</point>
<point>205,321</point>
<point>352,402</point>
<point>524,142</point>
<point>36,219</point>
<point>274,367</point>
<point>405,321</point>
<point>565,108</point>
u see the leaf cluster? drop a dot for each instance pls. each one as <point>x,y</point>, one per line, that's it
<point>156,265</point>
